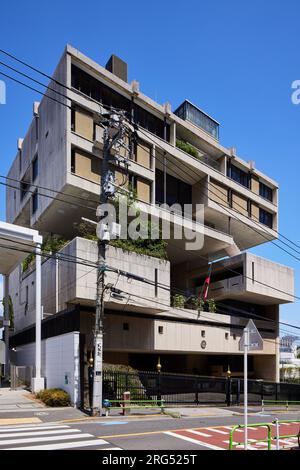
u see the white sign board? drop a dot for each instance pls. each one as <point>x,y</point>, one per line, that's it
<point>255,341</point>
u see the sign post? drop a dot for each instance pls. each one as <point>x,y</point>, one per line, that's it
<point>250,341</point>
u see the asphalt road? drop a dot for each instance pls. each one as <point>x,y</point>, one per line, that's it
<point>143,433</point>
<point>151,433</point>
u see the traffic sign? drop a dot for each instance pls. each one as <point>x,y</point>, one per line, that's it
<point>255,341</point>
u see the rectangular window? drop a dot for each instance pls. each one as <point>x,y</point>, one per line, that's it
<point>177,191</point>
<point>265,192</point>
<point>203,334</point>
<point>34,202</point>
<point>160,330</point>
<point>238,175</point>
<point>35,167</point>
<point>24,189</point>
<point>266,218</point>
<point>126,326</point>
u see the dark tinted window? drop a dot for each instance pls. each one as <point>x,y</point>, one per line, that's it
<point>35,168</point>
<point>238,175</point>
<point>34,202</point>
<point>177,191</point>
<point>265,192</point>
<point>265,218</point>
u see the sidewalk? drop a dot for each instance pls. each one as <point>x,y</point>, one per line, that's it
<point>17,400</point>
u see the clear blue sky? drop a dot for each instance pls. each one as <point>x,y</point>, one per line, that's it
<point>234,59</point>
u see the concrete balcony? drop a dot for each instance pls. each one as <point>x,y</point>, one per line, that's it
<point>67,282</point>
<point>260,281</point>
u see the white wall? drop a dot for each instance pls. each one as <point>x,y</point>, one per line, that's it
<point>60,357</point>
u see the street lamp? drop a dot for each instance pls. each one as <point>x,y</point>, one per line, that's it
<point>228,388</point>
<point>158,368</point>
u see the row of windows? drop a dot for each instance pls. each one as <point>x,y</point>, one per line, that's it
<point>244,178</point>
<point>95,89</point>
<point>264,217</point>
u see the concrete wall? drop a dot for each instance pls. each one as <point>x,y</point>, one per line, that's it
<point>271,274</point>
<point>60,362</point>
<point>46,137</point>
<point>146,335</point>
<point>77,283</point>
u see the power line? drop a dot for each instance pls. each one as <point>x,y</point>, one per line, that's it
<point>52,79</point>
<point>80,93</point>
<point>34,89</point>
<point>48,196</point>
<point>146,134</point>
<point>298,259</point>
<point>181,169</point>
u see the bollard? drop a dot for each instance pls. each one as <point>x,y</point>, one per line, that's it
<point>126,403</point>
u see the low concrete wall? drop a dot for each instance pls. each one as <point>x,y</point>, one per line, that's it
<point>60,363</point>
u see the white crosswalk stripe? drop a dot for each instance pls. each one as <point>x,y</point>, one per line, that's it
<point>49,436</point>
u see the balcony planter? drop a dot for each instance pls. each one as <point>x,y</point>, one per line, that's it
<point>178,301</point>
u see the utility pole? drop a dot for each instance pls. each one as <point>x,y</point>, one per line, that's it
<point>113,134</point>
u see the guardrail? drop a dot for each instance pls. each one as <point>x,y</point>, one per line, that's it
<point>133,404</point>
<point>285,403</point>
<point>277,438</point>
<point>233,444</point>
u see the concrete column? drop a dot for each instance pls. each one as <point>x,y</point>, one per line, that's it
<point>173,134</point>
<point>38,382</point>
<point>153,164</point>
<point>6,327</point>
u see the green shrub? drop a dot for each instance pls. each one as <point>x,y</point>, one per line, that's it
<point>51,244</point>
<point>119,378</point>
<point>188,148</point>
<point>178,301</point>
<point>54,397</point>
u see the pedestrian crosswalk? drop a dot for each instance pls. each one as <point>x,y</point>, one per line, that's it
<point>49,436</point>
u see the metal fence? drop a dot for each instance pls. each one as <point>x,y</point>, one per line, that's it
<point>20,376</point>
<point>193,390</point>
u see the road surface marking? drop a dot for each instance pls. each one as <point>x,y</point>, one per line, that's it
<point>44,439</point>
<point>111,448</point>
<point>18,421</point>
<point>111,423</point>
<point>67,445</point>
<point>33,428</point>
<point>199,433</point>
<point>217,430</point>
<point>193,441</point>
<point>39,433</point>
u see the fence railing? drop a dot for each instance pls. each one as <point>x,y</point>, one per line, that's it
<point>273,435</point>
<point>193,389</point>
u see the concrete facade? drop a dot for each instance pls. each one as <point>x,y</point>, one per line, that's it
<point>68,145</point>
